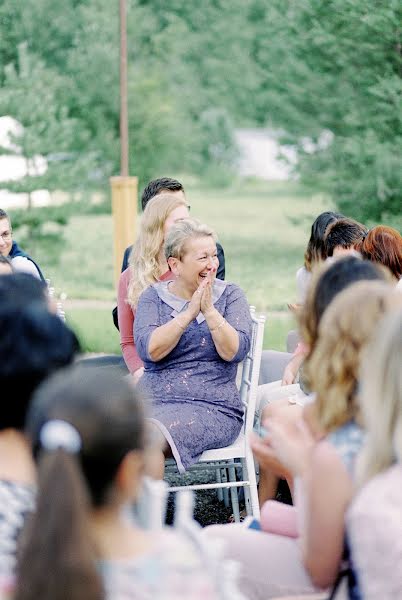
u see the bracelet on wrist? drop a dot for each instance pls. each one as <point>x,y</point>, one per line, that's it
<point>221,324</point>
<point>177,321</point>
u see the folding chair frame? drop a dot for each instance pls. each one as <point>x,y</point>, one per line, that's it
<point>225,462</point>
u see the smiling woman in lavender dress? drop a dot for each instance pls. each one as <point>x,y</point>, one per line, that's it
<point>191,333</point>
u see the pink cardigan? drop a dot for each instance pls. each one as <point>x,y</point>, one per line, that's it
<point>126,315</point>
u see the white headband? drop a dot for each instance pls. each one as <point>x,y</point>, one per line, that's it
<point>57,434</point>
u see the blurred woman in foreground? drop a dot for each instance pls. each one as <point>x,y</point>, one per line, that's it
<point>329,281</point>
<point>88,433</point>
<point>374,520</point>
<point>321,463</point>
<point>33,344</point>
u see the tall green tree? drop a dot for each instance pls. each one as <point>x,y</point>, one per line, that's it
<point>336,66</point>
<point>304,67</point>
<point>49,140</point>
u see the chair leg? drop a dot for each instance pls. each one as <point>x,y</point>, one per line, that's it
<point>255,505</point>
<point>234,495</point>
<point>247,496</point>
<point>219,491</point>
<point>224,478</point>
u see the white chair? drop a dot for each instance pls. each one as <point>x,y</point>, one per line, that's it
<point>238,456</point>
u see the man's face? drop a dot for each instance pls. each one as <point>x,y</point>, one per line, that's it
<point>6,240</point>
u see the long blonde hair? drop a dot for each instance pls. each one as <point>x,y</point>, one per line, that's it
<point>381,399</point>
<point>344,331</point>
<point>144,258</point>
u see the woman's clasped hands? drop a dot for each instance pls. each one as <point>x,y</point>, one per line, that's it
<point>201,300</point>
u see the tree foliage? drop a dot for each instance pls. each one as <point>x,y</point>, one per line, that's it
<point>198,69</point>
<point>336,66</point>
<point>49,139</point>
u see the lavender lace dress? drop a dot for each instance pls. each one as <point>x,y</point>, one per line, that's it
<point>195,401</point>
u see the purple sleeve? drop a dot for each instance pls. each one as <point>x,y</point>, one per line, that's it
<point>237,314</point>
<point>147,319</point>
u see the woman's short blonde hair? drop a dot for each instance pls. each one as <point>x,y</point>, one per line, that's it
<point>181,232</point>
<point>144,258</point>
<point>381,398</point>
<point>344,331</point>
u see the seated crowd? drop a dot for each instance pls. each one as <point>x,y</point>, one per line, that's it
<point>76,443</point>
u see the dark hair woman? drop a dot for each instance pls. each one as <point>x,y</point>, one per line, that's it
<point>88,434</point>
<point>33,344</point>
<point>315,251</point>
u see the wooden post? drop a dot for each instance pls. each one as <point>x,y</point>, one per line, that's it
<point>124,161</point>
<point>124,210</point>
<point>124,188</point>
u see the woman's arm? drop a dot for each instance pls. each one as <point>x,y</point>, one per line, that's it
<point>323,490</point>
<point>126,324</point>
<point>225,337</point>
<point>291,369</point>
<point>293,366</point>
<point>155,341</point>
<point>167,336</point>
<point>231,332</point>
<point>328,490</point>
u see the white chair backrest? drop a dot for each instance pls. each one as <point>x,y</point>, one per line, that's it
<point>251,370</point>
<point>52,297</point>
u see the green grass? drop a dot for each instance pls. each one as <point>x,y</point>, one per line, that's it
<point>263,227</point>
<point>276,329</point>
<point>83,266</point>
<point>95,329</point>
<point>96,332</point>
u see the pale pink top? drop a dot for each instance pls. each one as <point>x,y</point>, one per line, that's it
<point>173,568</point>
<point>374,526</point>
<point>126,315</point>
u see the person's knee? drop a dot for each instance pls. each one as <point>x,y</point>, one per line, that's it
<point>271,409</point>
<point>289,412</point>
<point>266,413</point>
<point>156,437</point>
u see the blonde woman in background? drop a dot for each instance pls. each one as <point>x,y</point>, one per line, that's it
<point>146,266</point>
<point>329,280</point>
<point>321,464</point>
<point>374,520</point>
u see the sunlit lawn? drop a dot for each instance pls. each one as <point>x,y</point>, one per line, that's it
<point>263,227</point>
<point>97,333</point>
